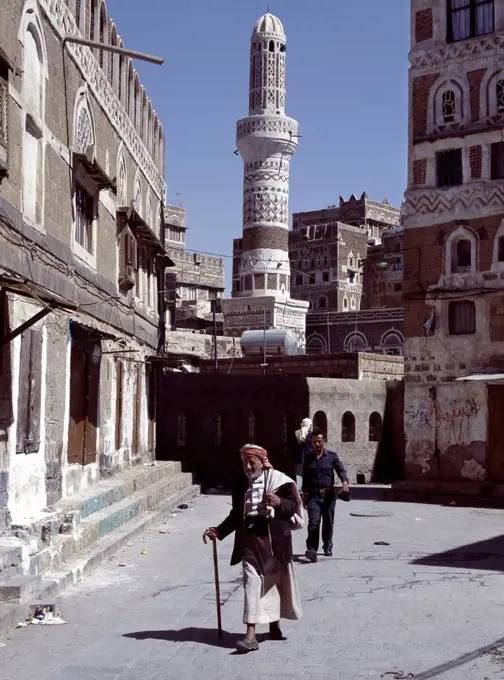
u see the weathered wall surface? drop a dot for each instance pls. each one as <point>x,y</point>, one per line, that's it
<point>446,432</point>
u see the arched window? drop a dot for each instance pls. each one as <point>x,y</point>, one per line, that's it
<point>499,93</point>
<point>355,342</point>
<point>121,183</point>
<point>149,217</point>
<point>143,116</point>
<point>102,55</point>
<point>149,127</point>
<point>322,302</point>
<point>120,84</point>
<point>130,90</point>
<point>463,254</point>
<point>218,430</point>
<point>461,251</point>
<point>33,148</point>
<point>392,342</point>
<point>78,14</point>
<point>375,427</point>
<point>138,197</point>
<point>33,72</point>
<point>316,345</point>
<point>91,19</point>
<point>155,140</point>
<point>112,60</point>
<point>161,159</point>
<point>345,303</point>
<point>136,102</point>
<point>271,46</point>
<point>181,430</point>
<point>251,429</point>
<point>320,421</point>
<point>348,427</point>
<point>448,105</point>
<point>84,133</point>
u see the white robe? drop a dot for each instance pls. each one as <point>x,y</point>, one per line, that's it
<point>273,595</point>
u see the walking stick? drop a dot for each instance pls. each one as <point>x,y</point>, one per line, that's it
<point>217,585</point>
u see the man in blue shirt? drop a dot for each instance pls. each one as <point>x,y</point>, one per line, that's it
<point>319,494</point>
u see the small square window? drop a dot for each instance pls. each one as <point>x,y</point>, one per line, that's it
<point>325,276</point>
<point>500,249</point>
<point>449,168</point>
<point>497,160</point>
<point>462,318</point>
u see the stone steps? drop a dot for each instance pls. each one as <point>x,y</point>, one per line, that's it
<point>90,527</point>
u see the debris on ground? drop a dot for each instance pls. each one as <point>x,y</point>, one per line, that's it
<point>164,531</point>
<point>183,506</point>
<point>42,616</point>
<point>144,552</point>
<point>381,543</point>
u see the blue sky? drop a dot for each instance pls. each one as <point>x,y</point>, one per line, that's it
<point>346,85</point>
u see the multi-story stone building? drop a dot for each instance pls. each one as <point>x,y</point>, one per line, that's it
<point>81,255</point>
<point>454,245</point>
<point>346,262</point>
<point>195,280</point>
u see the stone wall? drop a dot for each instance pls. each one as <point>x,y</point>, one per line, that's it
<point>352,365</point>
<point>214,415</point>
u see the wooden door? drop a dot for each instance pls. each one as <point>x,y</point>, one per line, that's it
<point>78,401</point>
<point>495,450</point>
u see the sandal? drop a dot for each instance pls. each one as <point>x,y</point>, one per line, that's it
<point>276,633</point>
<point>246,645</point>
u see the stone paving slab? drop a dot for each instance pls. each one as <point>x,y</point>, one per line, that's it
<point>408,607</point>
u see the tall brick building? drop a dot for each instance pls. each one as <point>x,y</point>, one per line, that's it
<point>454,245</point>
<point>346,261</point>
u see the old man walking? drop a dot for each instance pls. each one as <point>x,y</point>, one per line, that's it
<point>266,506</point>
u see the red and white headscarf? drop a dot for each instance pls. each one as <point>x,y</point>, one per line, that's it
<point>250,450</point>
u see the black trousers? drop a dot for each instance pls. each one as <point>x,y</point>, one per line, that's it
<point>321,510</point>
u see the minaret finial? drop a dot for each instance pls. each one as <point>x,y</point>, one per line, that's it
<point>267,9</point>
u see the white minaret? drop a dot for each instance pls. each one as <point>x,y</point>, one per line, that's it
<point>266,139</point>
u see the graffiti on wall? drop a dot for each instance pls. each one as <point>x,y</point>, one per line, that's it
<point>456,419</point>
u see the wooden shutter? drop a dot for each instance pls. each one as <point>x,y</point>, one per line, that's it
<point>29,398</point>
<point>151,406</point>
<point>32,442</point>
<point>78,404</point>
<point>92,411</point>
<point>119,403</point>
<point>135,444</point>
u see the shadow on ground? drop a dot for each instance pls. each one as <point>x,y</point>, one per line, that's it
<point>204,636</point>
<point>492,650</point>
<point>487,555</point>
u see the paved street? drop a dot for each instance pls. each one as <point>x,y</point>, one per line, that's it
<point>369,611</point>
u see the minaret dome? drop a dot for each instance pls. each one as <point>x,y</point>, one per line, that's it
<point>267,67</point>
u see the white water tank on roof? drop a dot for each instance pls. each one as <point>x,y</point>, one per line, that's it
<point>277,341</point>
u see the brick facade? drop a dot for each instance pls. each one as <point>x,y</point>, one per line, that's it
<point>419,171</point>
<point>419,102</point>
<point>423,25</point>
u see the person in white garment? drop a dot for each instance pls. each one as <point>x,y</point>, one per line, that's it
<point>265,509</point>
